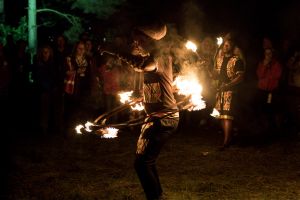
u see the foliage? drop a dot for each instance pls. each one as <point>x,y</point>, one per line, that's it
<point>18,33</point>
<point>101,8</point>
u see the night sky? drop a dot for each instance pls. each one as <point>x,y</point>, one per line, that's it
<point>276,18</point>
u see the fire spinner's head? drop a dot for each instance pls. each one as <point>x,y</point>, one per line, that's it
<point>144,38</point>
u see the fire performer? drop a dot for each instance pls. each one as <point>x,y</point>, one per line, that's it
<point>229,71</point>
<point>159,102</point>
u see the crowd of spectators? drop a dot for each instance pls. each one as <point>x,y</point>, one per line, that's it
<point>70,83</point>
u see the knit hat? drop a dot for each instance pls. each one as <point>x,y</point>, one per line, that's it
<point>156,31</point>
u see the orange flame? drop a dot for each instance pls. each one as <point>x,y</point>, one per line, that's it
<point>190,45</point>
<point>78,128</point>
<point>109,132</point>
<point>125,97</point>
<point>189,86</point>
<point>219,41</point>
<point>215,113</point>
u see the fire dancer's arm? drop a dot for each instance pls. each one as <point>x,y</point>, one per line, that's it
<point>148,65</point>
<point>235,81</point>
<point>139,63</point>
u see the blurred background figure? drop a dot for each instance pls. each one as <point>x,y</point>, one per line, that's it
<point>77,87</point>
<point>269,72</point>
<point>46,82</point>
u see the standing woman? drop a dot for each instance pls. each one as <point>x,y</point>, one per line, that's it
<point>269,73</point>
<point>229,71</point>
<point>77,85</point>
<point>44,76</point>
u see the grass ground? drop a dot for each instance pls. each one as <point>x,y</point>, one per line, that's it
<point>190,167</point>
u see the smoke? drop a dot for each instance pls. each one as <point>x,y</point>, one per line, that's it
<point>185,61</point>
<point>192,17</point>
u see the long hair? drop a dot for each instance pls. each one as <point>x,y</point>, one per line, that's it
<point>39,58</point>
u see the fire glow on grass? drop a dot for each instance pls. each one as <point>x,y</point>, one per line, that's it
<point>189,86</point>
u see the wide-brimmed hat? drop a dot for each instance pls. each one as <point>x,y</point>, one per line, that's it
<point>155,31</point>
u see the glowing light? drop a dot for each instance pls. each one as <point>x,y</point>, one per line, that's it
<point>78,128</point>
<point>215,113</point>
<point>109,132</point>
<point>219,41</point>
<point>88,125</point>
<point>138,107</point>
<point>125,97</point>
<point>190,45</point>
<point>189,86</point>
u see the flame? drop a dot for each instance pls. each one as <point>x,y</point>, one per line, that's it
<point>109,132</point>
<point>138,107</point>
<point>219,41</point>
<point>190,45</point>
<point>88,125</point>
<point>189,86</point>
<point>78,128</point>
<point>125,97</point>
<point>215,113</point>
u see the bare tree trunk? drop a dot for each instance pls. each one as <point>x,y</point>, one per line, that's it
<point>32,28</point>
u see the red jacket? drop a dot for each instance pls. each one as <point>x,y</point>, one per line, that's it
<point>268,76</point>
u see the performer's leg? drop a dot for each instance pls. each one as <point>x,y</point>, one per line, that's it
<point>150,142</point>
<point>227,129</point>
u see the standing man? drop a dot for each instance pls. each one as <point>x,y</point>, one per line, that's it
<point>159,102</point>
<point>229,71</point>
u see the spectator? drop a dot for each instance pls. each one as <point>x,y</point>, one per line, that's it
<point>45,76</point>
<point>110,78</point>
<point>269,72</point>
<point>77,86</point>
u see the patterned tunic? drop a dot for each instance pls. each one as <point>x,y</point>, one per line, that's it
<point>227,69</point>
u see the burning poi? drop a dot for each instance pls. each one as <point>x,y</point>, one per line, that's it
<point>186,85</point>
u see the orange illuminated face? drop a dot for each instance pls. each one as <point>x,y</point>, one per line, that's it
<point>268,53</point>
<point>46,54</point>
<point>227,47</point>
<point>80,50</point>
